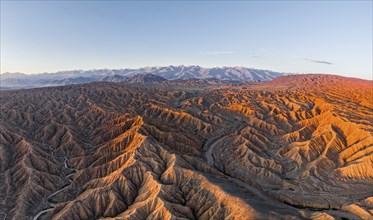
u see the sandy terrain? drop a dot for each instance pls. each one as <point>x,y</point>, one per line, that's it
<point>298,147</point>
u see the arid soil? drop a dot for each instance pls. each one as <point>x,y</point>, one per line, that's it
<point>298,147</point>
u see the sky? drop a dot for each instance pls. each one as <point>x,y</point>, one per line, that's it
<point>288,36</point>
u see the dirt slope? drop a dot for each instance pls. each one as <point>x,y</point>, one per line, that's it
<point>298,147</point>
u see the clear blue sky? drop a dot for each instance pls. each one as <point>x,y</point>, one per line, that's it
<point>323,37</point>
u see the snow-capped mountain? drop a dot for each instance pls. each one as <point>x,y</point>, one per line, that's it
<point>224,73</point>
<point>123,75</point>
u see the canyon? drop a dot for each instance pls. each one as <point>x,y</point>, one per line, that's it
<point>295,147</point>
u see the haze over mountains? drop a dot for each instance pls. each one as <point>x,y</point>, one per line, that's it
<point>296,147</point>
<point>20,80</point>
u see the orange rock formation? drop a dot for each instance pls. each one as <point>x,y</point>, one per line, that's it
<point>298,147</point>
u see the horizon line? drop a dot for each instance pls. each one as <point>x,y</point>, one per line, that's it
<point>141,67</point>
<point>183,65</point>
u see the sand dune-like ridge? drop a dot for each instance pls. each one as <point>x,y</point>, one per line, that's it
<point>296,147</point>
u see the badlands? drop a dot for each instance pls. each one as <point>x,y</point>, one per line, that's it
<point>296,147</point>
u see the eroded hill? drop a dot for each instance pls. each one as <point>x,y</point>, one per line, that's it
<point>298,147</point>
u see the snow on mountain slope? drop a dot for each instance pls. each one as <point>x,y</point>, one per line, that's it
<point>168,72</point>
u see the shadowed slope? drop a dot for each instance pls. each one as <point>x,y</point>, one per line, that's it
<point>263,151</point>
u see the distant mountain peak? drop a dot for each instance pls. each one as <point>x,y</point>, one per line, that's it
<point>145,78</point>
<point>139,75</point>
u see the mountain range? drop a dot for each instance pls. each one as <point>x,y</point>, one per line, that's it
<point>21,80</point>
